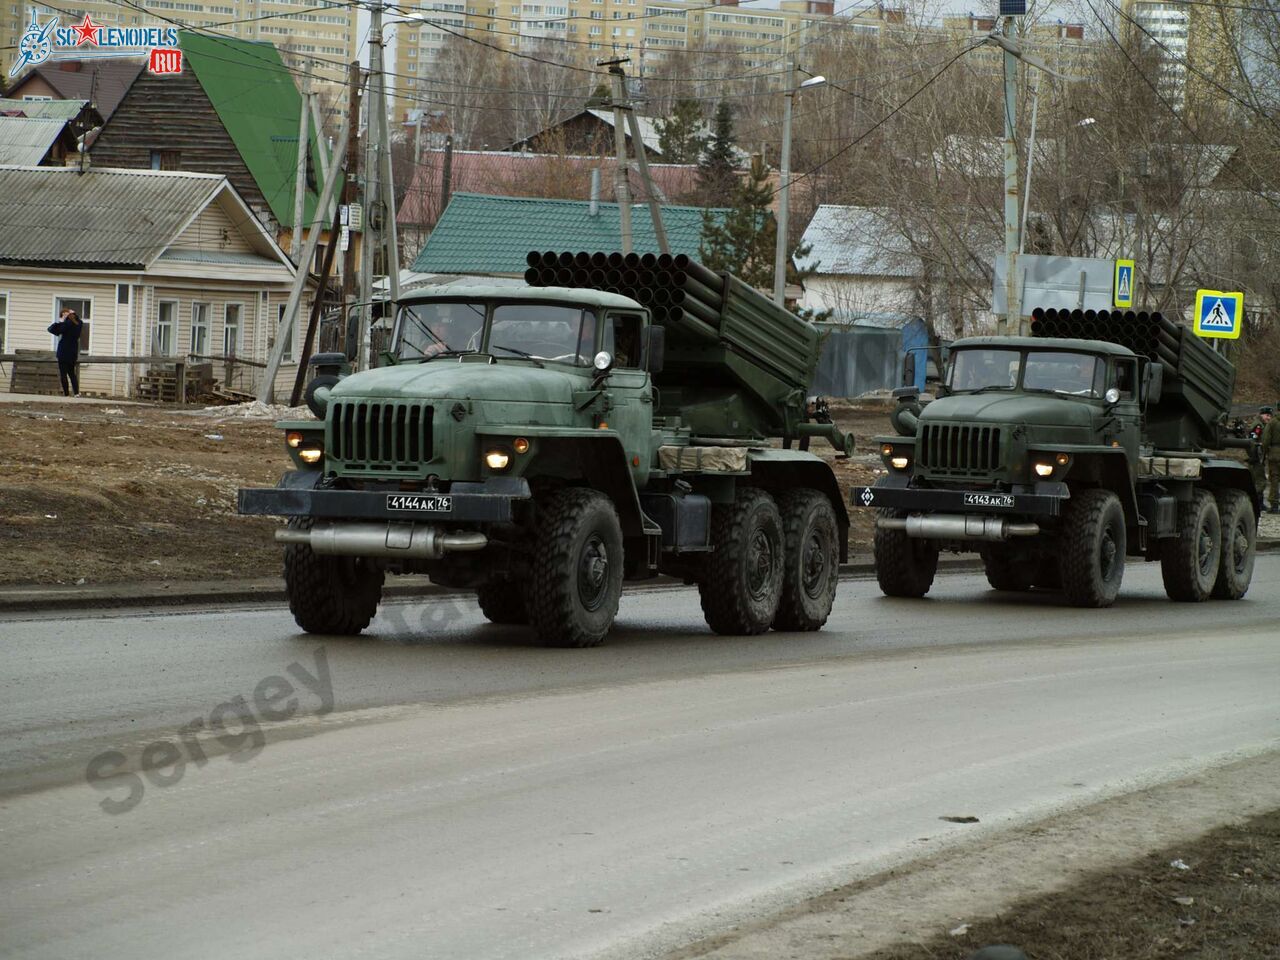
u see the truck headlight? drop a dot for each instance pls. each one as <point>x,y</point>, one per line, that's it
<point>311,453</point>
<point>294,438</point>
<point>900,463</point>
<point>497,459</point>
<point>1044,469</point>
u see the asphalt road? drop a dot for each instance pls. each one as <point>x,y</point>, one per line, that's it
<point>443,788</point>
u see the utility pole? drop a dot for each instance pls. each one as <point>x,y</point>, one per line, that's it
<point>300,174</point>
<point>1013,315</point>
<point>350,192</point>
<point>621,186</point>
<point>642,161</point>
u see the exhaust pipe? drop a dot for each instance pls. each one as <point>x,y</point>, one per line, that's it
<point>959,527</point>
<point>393,540</point>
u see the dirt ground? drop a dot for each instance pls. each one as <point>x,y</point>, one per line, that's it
<point>1223,903</point>
<point>106,494</point>
<point>136,493</point>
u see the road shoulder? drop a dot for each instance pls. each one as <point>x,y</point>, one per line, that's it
<point>932,897</point>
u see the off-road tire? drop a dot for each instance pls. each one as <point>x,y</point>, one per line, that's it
<point>1092,548</point>
<point>1189,564</point>
<point>811,560</point>
<point>1239,545</point>
<point>576,580</point>
<point>905,566</point>
<point>1005,571</point>
<point>742,586</point>
<point>502,601</point>
<point>328,594</point>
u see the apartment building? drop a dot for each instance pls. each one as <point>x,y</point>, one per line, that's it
<point>1197,41</point>
<point>648,31</point>
<point>319,42</point>
<point>1060,44</point>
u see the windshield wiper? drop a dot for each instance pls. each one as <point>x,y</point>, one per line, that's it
<point>451,352</point>
<point>519,353</point>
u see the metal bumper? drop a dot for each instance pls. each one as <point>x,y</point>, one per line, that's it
<point>299,495</point>
<point>1046,500</point>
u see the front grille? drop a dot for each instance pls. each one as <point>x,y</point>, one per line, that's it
<point>959,449</point>
<point>379,436</point>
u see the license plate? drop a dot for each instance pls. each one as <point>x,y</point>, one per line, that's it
<point>988,500</point>
<point>420,503</point>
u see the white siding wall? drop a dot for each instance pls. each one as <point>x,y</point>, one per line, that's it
<point>129,329</point>
<point>214,231</point>
<point>848,295</point>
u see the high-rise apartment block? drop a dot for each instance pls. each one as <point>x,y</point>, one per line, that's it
<point>315,42</point>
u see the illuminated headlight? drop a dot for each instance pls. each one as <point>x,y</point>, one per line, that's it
<point>886,450</point>
<point>497,459</point>
<point>1062,459</point>
<point>1044,469</point>
<point>312,453</point>
<point>293,438</point>
<point>900,463</point>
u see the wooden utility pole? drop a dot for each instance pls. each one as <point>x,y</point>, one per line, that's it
<point>350,192</point>
<point>300,175</point>
<point>621,186</point>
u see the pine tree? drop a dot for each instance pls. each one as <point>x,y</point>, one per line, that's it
<point>743,242</point>
<point>717,178</point>
<point>600,97</point>
<point>680,136</point>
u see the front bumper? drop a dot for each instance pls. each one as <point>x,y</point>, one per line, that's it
<point>1044,500</point>
<point>299,495</point>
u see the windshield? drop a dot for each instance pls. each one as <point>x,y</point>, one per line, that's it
<point>544,332</point>
<point>430,329</point>
<point>1078,374</point>
<point>984,370</point>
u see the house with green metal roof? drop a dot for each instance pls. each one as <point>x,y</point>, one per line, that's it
<point>489,235</point>
<point>234,110</point>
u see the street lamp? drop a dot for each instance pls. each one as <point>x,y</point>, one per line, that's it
<point>780,251</point>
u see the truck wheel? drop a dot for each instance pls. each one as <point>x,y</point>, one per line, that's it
<point>1239,545</point>
<point>327,594</point>
<point>576,581</point>
<point>1007,572</point>
<point>502,601</point>
<point>1093,547</point>
<point>811,560</point>
<point>742,586</point>
<point>1189,564</point>
<point>905,566</point>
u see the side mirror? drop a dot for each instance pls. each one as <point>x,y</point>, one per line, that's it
<point>1152,382</point>
<point>655,348</point>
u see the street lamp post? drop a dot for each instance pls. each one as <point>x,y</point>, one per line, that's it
<point>784,193</point>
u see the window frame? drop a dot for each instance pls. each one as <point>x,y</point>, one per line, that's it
<point>86,319</point>
<point>238,346</point>
<point>207,326</point>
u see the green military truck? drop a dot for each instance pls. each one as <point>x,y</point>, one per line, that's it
<point>542,443</point>
<point>1059,455</point>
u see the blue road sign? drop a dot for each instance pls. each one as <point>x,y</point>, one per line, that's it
<point>1122,290</point>
<point>1218,314</point>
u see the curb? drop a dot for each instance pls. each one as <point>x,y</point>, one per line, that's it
<point>24,599</point>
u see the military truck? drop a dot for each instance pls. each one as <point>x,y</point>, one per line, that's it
<point>541,444</point>
<point>1059,455</point>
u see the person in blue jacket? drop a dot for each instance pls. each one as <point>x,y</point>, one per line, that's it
<point>67,330</point>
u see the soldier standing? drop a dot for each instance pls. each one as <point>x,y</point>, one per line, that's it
<point>1257,465</point>
<point>1271,454</point>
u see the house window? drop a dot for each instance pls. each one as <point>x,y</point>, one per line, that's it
<point>288,334</point>
<point>231,314</point>
<point>4,318</point>
<point>200,329</point>
<point>83,306</point>
<point>122,293</point>
<point>165,159</point>
<point>166,323</point>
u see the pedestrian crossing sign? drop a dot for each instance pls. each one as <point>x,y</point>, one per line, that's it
<point>1219,314</point>
<point>1122,289</point>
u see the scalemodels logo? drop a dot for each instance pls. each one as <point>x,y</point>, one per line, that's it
<point>90,41</point>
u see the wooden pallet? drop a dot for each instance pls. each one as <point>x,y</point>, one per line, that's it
<point>29,376</point>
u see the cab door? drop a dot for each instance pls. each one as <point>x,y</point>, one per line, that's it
<point>1126,426</point>
<point>630,389</point>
